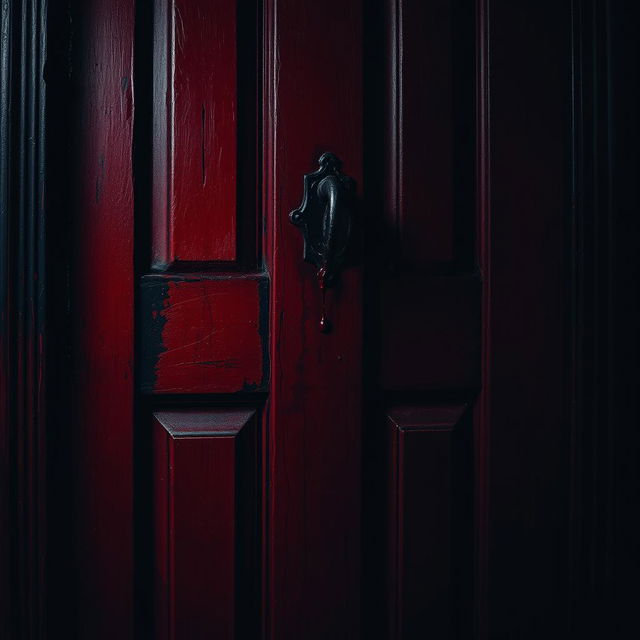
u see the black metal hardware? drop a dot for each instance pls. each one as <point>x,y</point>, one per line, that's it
<point>324,217</point>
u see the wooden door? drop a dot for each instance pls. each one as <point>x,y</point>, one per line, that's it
<point>225,475</point>
<point>217,465</point>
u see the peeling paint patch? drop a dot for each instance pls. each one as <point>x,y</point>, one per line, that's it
<point>204,335</point>
<point>154,300</point>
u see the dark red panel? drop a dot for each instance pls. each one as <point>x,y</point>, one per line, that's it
<point>204,479</point>
<point>529,309</point>
<point>196,131</point>
<point>430,546</point>
<point>314,75</point>
<point>102,291</point>
<point>430,328</point>
<point>204,334</point>
<point>419,148</point>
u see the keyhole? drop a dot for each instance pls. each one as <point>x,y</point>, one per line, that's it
<point>325,326</point>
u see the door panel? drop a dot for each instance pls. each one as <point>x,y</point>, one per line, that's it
<point>203,314</point>
<point>424,328</point>
<point>428,148</point>
<point>206,507</point>
<point>430,521</point>
<point>204,144</point>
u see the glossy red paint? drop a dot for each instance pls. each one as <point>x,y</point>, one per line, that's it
<point>204,334</point>
<point>102,286</point>
<point>196,137</point>
<point>205,471</point>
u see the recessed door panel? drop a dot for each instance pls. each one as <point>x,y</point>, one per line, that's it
<point>205,516</point>
<point>204,124</point>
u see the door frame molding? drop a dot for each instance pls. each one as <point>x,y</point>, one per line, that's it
<point>23,48</point>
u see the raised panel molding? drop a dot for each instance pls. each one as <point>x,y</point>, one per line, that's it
<point>430,526</point>
<point>206,513</point>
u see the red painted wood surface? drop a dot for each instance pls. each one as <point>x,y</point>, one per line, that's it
<point>102,289</point>
<point>430,332</point>
<point>204,333</point>
<point>313,105</point>
<point>419,149</point>
<point>426,511</point>
<point>195,132</point>
<point>424,326</point>
<point>205,471</point>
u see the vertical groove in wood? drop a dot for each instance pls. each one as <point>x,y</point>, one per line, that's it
<point>206,510</point>
<point>6,453</point>
<point>483,253</point>
<point>23,526</point>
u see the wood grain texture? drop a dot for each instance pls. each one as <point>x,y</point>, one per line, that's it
<point>204,334</point>
<point>205,497</point>
<point>314,66</point>
<point>102,286</point>
<point>195,144</point>
<point>430,541</point>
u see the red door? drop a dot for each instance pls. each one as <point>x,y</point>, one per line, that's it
<point>224,477</point>
<point>307,396</point>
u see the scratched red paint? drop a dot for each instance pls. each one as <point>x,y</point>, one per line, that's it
<point>210,340</point>
<point>197,127</point>
<point>102,310</point>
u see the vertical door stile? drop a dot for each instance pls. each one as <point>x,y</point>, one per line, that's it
<point>314,105</point>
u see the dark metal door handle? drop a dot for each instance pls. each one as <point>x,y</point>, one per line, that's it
<point>324,217</point>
